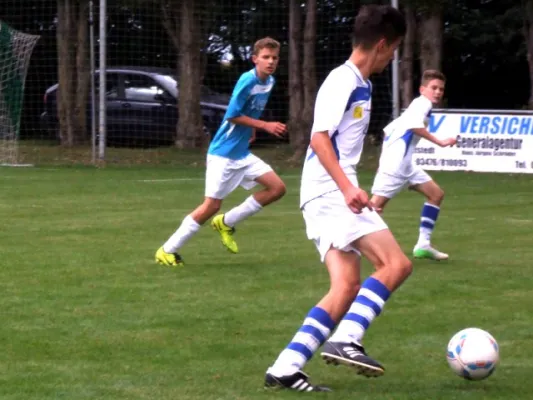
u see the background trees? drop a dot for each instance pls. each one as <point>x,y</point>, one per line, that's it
<point>483,46</point>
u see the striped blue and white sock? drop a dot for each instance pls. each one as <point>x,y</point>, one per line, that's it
<point>312,334</point>
<point>428,218</point>
<point>366,306</point>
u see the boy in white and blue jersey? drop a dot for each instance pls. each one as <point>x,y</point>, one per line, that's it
<point>229,161</point>
<point>338,215</point>
<point>397,169</point>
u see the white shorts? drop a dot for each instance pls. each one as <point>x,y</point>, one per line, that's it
<point>331,224</point>
<point>223,175</point>
<point>388,186</point>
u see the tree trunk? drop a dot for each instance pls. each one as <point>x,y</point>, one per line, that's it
<point>431,27</point>
<point>190,130</point>
<point>308,77</point>
<point>528,35</point>
<point>296,98</point>
<point>66,70</point>
<point>83,75</point>
<point>406,66</point>
<point>73,70</point>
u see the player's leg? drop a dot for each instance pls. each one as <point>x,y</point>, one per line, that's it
<point>384,188</point>
<point>255,171</point>
<point>392,268</point>
<point>273,188</point>
<point>286,372</point>
<point>220,181</point>
<point>422,183</point>
<point>168,253</point>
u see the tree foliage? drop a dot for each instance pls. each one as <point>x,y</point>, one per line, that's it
<point>484,48</point>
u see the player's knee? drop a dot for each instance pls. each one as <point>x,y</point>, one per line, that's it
<point>441,195</point>
<point>278,190</point>
<point>436,196</point>
<point>403,267</point>
<point>398,266</point>
<point>282,189</point>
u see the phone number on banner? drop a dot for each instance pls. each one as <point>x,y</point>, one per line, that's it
<point>441,162</point>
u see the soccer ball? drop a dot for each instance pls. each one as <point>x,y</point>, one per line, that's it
<point>473,354</point>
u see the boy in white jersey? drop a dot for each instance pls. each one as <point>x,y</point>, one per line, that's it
<point>396,167</point>
<point>338,215</point>
<point>229,161</point>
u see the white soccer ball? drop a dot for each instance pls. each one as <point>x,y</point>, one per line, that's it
<point>473,354</point>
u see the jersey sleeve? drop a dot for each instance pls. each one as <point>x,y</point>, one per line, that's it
<point>417,112</point>
<point>240,94</point>
<point>331,100</point>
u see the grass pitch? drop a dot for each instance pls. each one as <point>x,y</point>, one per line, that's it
<point>87,314</point>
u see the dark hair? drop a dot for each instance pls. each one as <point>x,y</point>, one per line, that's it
<point>265,43</point>
<point>431,74</point>
<point>376,22</point>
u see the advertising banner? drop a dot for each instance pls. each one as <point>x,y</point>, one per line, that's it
<point>486,142</point>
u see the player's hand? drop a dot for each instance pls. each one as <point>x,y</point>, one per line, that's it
<point>356,199</point>
<point>275,128</point>
<point>448,142</point>
<point>379,210</point>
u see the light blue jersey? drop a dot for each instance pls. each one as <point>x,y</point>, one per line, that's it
<point>249,98</point>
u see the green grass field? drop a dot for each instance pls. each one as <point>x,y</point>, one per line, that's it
<point>87,314</point>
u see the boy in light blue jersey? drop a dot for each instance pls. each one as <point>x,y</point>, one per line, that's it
<point>229,161</point>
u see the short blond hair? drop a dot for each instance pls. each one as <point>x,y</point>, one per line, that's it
<point>431,74</point>
<point>266,42</point>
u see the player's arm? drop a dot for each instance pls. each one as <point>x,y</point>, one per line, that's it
<point>274,128</point>
<point>423,133</point>
<point>253,137</point>
<point>356,198</point>
<point>235,114</point>
<point>416,112</point>
<point>329,108</point>
<point>323,148</point>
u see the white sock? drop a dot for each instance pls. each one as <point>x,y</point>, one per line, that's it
<point>186,230</point>
<point>312,334</point>
<point>424,237</point>
<point>248,207</point>
<point>365,308</point>
<point>428,219</point>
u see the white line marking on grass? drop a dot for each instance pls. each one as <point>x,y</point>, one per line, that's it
<point>518,221</point>
<point>170,180</point>
<point>196,179</point>
<point>264,216</point>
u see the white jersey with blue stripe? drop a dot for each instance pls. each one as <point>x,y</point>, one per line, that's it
<point>400,142</point>
<point>342,109</point>
<point>249,98</point>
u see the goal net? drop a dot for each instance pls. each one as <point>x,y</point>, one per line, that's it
<point>15,52</point>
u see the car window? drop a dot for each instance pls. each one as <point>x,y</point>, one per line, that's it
<point>112,88</point>
<point>141,88</point>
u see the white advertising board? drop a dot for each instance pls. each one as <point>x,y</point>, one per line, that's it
<point>486,142</point>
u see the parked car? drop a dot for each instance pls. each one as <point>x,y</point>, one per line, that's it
<point>141,106</point>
